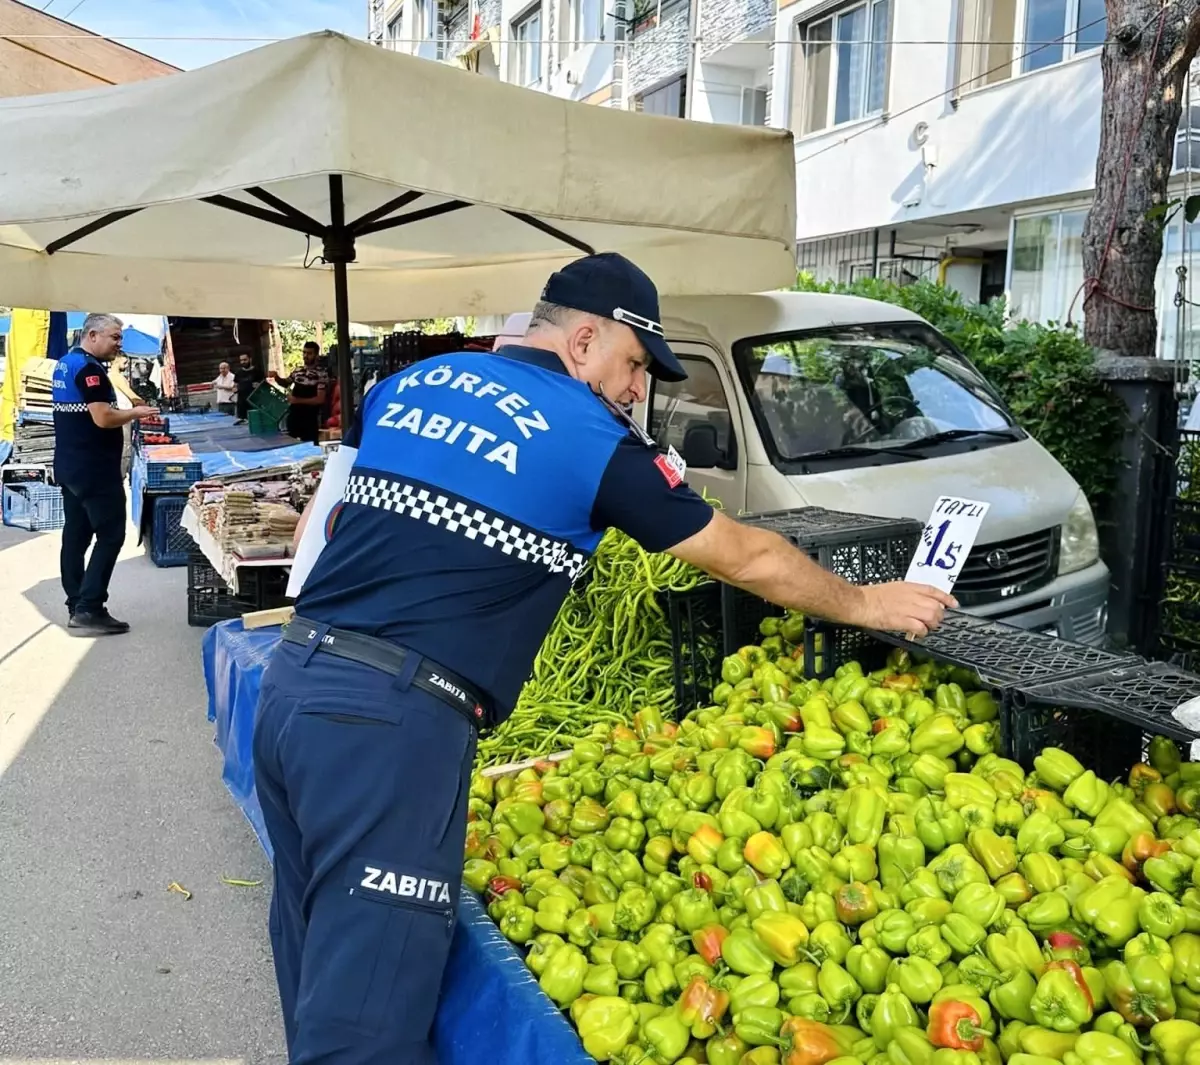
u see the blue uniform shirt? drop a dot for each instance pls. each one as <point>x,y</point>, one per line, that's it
<point>85,455</point>
<point>482,485</point>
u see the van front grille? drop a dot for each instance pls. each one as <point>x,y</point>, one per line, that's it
<point>1006,568</point>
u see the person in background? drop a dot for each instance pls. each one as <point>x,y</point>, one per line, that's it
<point>307,397</point>
<point>247,376</point>
<point>226,387</point>
<point>127,399</point>
<point>87,467</point>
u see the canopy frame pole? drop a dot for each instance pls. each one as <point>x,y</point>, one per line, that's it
<point>88,230</point>
<point>552,231</point>
<point>339,251</point>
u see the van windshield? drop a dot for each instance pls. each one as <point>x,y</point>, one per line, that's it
<point>866,388</point>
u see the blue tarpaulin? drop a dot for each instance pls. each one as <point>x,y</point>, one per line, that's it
<point>490,1006</point>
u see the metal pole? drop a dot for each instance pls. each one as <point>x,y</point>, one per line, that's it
<point>341,297</point>
<point>339,250</point>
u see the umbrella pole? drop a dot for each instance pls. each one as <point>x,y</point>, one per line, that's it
<point>339,250</point>
<point>341,298</point>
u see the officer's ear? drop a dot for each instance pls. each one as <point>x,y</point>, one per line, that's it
<point>583,341</point>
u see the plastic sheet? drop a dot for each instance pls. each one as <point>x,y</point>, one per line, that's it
<point>491,1006</point>
<point>223,462</point>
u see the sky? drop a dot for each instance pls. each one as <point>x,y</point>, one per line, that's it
<point>129,19</point>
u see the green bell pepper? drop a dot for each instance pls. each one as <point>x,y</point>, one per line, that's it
<point>976,971</point>
<point>922,885</point>
<point>893,1011</point>
<point>928,944</point>
<point>758,1025</point>
<point>899,860</point>
<point>1173,1040</point>
<point>1046,912</point>
<point>666,1035</point>
<point>928,911</point>
<point>869,965</point>
<point>1059,1002</point>
<point>856,862</point>
<point>955,868</point>
<point>563,975</point>
<point>997,854</point>
<point>1139,991</point>
<point>1161,915</point>
<point>755,990</point>
<point>1015,949</point>
<point>893,929</point>
<point>979,901</point>
<point>829,942</point>
<point>938,735</point>
<point>606,1024</point>
<point>918,979</point>
<point>1111,909</point>
<point>635,909</point>
<point>1087,793</point>
<point>1039,834</point>
<point>1013,998</point>
<point>745,953</point>
<point>1057,769</point>
<point>1041,870</point>
<point>766,897</point>
<point>910,1046</point>
<point>963,934</point>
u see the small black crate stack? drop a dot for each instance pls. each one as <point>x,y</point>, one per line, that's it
<point>211,601</point>
<point>1179,613</point>
<point>857,547</point>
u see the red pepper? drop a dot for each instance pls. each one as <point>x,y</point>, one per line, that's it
<point>701,1005</point>
<point>757,741</point>
<point>501,885</point>
<point>1063,946</point>
<point>955,1025</point>
<point>1140,848</point>
<point>702,882</point>
<point>1076,974</point>
<point>708,940</point>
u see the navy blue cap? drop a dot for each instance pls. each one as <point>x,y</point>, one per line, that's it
<point>610,286</point>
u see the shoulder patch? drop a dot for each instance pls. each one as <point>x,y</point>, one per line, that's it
<point>91,381</point>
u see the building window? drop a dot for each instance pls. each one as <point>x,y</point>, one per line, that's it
<point>527,45</point>
<point>1187,139</point>
<point>1049,32</point>
<point>394,31</point>
<point>754,107</point>
<point>583,22</point>
<point>669,99</point>
<point>1046,266</point>
<point>842,69</point>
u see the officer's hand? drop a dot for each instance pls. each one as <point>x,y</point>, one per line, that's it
<point>903,607</point>
<point>144,412</point>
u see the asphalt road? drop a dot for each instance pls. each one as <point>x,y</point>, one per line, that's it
<point>110,790</point>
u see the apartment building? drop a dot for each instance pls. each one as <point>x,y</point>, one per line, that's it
<point>709,60</point>
<point>944,139</point>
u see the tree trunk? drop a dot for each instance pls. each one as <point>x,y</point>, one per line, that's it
<point>1144,68</point>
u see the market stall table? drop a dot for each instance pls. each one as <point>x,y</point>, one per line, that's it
<point>490,1004</point>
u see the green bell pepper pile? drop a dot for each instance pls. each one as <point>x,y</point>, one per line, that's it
<point>844,871</point>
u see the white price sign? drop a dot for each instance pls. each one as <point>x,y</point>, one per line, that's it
<point>946,541</point>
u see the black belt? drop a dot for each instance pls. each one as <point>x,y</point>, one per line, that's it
<point>390,658</point>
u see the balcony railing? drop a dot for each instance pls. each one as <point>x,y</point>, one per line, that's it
<point>732,21</point>
<point>658,43</point>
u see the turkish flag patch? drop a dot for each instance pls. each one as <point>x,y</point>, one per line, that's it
<point>668,470</point>
<point>91,382</point>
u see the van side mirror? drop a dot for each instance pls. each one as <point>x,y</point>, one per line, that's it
<point>700,448</point>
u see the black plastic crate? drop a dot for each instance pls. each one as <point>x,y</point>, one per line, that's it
<point>1141,693</point>
<point>1110,747</point>
<point>695,620</point>
<point>211,601</point>
<point>1183,545</point>
<point>1004,655</point>
<point>170,544</point>
<point>859,548</point>
<point>827,646</point>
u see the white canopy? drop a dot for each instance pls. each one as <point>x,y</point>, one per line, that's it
<point>211,192</point>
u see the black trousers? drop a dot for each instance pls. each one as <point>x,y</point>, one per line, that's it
<point>92,513</point>
<point>243,405</point>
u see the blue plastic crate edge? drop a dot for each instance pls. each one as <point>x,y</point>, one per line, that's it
<point>33,507</point>
<point>170,544</point>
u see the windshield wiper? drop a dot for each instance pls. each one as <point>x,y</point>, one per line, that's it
<point>856,449</point>
<point>960,434</point>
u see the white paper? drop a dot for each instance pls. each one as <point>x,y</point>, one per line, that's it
<point>946,541</point>
<point>329,494</point>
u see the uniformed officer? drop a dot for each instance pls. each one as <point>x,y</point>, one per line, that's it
<point>88,443</point>
<point>459,509</point>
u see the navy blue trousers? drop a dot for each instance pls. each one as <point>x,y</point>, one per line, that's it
<point>363,785</point>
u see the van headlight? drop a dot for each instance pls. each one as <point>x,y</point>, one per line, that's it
<point>1080,546</point>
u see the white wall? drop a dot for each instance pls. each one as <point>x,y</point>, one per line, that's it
<point>1031,138</point>
<point>718,96</point>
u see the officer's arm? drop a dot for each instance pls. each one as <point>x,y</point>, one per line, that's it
<point>110,418</point>
<point>764,563</point>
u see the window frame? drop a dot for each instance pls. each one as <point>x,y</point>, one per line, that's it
<point>801,27</point>
<point>730,462</point>
<point>393,31</point>
<point>525,47</point>
<point>678,79</point>
<point>969,82</point>
<point>754,92</point>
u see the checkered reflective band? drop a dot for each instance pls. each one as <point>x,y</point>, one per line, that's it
<point>467,519</point>
<point>71,408</point>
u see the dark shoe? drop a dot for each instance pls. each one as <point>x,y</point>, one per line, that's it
<point>103,623</point>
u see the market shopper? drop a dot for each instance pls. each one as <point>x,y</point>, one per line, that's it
<point>248,377</point>
<point>308,385</point>
<point>458,511</point>
<point>225,385</point>
<point>88,442</point>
